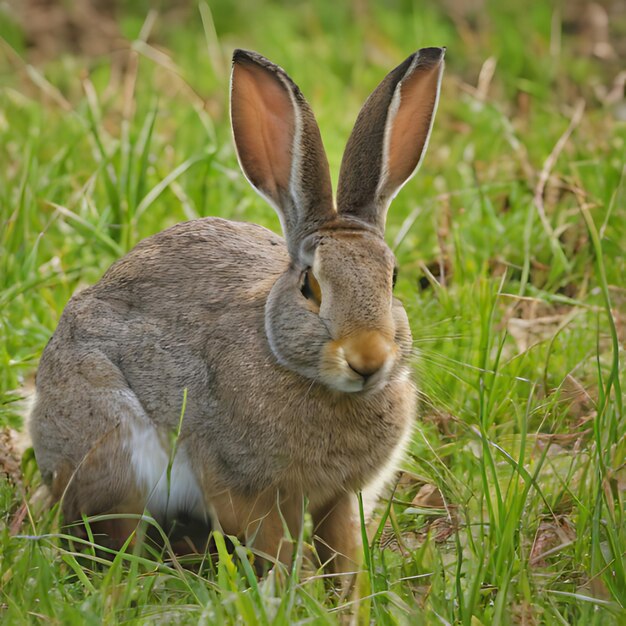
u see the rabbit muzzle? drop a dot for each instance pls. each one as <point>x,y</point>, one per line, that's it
<point>361,361</point>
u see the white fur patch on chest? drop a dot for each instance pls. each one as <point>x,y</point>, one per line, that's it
<point>165,496</point>
<point>376,488</point>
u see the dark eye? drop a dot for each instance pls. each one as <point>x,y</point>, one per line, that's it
<point>394,277</point>
<point>310,288</point>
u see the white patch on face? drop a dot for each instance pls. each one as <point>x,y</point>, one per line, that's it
<point>150,462</point>
<point>316,263</point>
<point>403,376</point>
<point>378,380</point>
<point>336,373</point>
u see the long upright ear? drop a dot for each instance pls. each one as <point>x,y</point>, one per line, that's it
<point>390,137</point>
<point>279,145</point>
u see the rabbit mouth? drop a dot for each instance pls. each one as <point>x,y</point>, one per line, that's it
<point>341,371</point>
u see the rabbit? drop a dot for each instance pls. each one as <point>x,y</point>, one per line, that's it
<point>291,357</point>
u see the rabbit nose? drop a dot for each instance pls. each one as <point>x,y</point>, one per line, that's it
<point>366,352</point>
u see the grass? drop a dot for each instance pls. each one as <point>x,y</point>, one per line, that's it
<point>511,248</point>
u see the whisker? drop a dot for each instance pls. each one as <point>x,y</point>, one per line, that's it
<point>452,361</point>
<point>433,338</point>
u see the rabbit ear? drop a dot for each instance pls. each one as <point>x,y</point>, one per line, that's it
<point>390,137</point>
<point>279,145</point>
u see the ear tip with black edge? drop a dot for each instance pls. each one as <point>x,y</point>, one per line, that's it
<point>431,56</point>
<point>240,55</point>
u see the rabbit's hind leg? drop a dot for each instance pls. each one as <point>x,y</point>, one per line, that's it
<point>101,451</point>
<point>100,485</point>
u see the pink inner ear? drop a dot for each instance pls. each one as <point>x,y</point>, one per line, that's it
<point>410,128</point>
<point>264,127</point>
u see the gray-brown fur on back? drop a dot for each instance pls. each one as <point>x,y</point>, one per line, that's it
<point>146,326</point>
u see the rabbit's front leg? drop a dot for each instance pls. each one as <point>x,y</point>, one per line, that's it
<point>336,533</point>
<point>262,521</point>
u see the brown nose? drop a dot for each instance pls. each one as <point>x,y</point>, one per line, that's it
<point>366,352</point>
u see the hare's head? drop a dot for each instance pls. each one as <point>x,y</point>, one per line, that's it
<point>331,316</point>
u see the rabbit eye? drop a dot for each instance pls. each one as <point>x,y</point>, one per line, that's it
<point>310,288</point>
<point>394,277</point>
